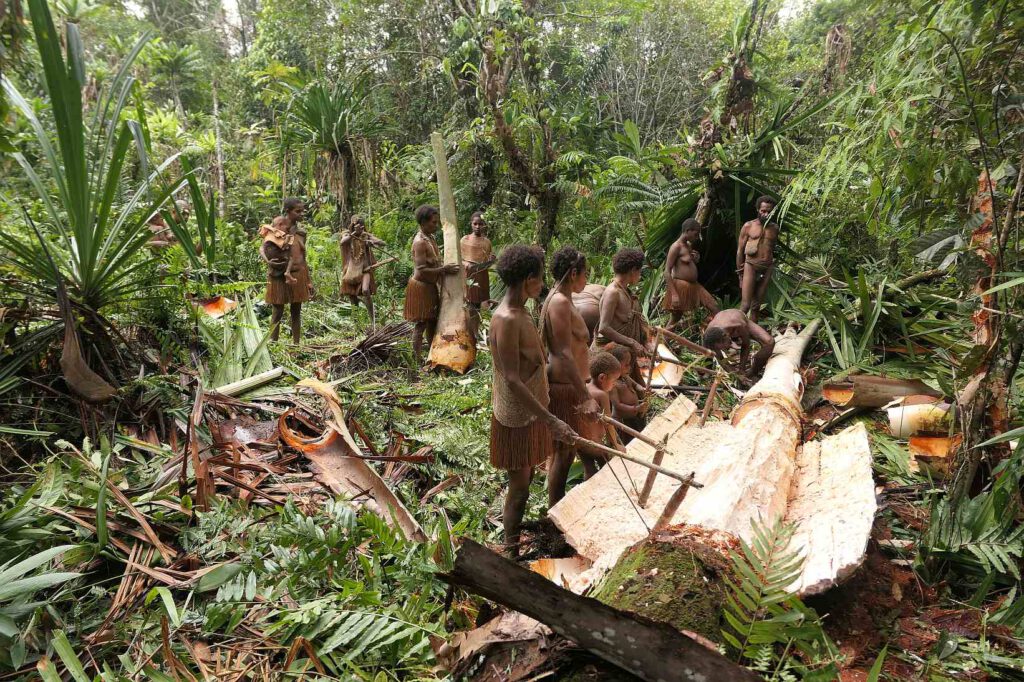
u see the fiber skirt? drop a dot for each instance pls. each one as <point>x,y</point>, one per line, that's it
<point>422,301</point>
<point>280,292</point>
<point>688,297</point>
<point>478,288</point>
<point>355,287</point>
<point>519,448</point>
<point>565,403</point>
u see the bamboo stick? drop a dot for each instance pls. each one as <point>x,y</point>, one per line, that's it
<point>255,381</point>
<point>712,392</point>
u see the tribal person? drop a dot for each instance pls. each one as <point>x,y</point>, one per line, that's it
<point>422,296</point>
<point>357,280</point>
<point>588,303</point>
<point>731,326</point>
<point>567,339</point>
<point>683,293</point>
<point>288,280</point>
<point>755,257</point>
<point>478,257</point>
<point>622,321</point>
<point>522,428</point>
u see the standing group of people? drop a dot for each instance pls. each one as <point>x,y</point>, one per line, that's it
<point>554,377</point>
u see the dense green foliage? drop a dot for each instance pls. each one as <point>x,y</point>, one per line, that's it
<point>600,124</point>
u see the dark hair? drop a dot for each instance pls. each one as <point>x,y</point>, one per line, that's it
<point>603,362</point>
<point>425,213</point>
<point>565,260</point>
<point>619,351</point>
<point>765,199</point>
<point>714,335</point>
<point>290,203</point>
<point>627,260</point>
<point>518,262</point>
<point>690,224</point>
<point>356,217</point>
<point>476,214</point>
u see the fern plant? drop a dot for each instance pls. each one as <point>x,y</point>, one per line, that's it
<point>767,623</point>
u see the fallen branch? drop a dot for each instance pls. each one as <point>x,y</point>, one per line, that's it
<point>255,381</point>
<point>651,651</point>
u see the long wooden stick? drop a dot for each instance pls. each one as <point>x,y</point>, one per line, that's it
<point>710,401</point>
<point>590,445</point>
<point>686,343</point>
<point>671,507</point>
<point>633,432</point>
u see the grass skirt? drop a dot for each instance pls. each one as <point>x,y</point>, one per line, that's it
<point>279,292</point>
<point>422,301</point>
<point>518,448</point>
<point>688,299</point>
<point>478,288</point>
<point>564,404</point>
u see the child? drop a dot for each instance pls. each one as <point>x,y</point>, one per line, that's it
<point>626,405</point>
<point>604,372</point>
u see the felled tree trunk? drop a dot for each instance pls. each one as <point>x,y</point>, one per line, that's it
<point>454,346</point>
<point>753,467</point>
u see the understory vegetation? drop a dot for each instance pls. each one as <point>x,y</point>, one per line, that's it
<point>891,133</point>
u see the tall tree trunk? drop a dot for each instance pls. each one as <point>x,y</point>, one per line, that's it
<point>222,201</point>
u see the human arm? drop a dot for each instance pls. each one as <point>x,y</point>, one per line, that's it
<point>613,436</point>
<point>610,302</point>
<point>741,249</point>
<point>507,339</point>
<point>767,343</point>
<point>346,237</point>
<point>670,261</point>
<point>376,241</point>
<point>422,255</point>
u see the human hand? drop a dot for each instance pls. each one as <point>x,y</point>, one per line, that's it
<point>450,268</point>
<point>289,278</point>
<point>561,432</point>
<point>638,347</point>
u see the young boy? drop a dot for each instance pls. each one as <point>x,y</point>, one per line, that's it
<point>626,405</point>
<point>604,372</point>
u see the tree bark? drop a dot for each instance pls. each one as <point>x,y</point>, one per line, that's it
<point>222,202</point>
<point>652,651</point>
<point>453,346</point>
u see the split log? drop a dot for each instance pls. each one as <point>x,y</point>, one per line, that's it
<point>751,468</point>
<point>650,650</point>
<point>453,345</point>
<point>861,390</point>
<point>338,465</point>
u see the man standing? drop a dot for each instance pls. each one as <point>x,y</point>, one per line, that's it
<point>357,279</point>
<point>731,326</point>
<point>755,257</point>
<point>422,296</point>
<point>521,425</point>
<point>284,252</point>
<point>567,339</point>
<point>478,256</point>
<point>622,321</point>
<point>683,293</point>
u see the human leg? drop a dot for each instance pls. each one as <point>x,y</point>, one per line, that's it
<point>761,292</point>
<point>296,317</point>
<point>275,320</point>
<point>558,471</point>
<point>748,287</point>
<point>515,506</point>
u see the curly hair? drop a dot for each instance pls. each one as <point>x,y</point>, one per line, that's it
<point>425,213</point>
<point>765,199</point>
<point>690,224</point>
<point>565,260</point>
<point>518,262</point>
<point>627,260</point>
<point>621,353</point>
<point>603,362</point>
<point>714,336</point>
<point>290,203</point>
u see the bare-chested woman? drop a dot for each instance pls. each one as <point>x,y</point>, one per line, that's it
<point>522,428</point>
<point>567,339</point>
<point>683,293</point>
<point>755,257</point>
<point>422,297</point>
<point>622,321</point>
<point>477,257</point>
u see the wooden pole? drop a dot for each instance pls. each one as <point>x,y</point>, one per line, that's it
<point>591,446</point>
<point>633,432</point>
<point>453,346</point>
<point>671,507</point>
<point>686,343</point>
<point>710,401</point>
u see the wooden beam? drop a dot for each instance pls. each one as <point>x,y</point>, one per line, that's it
<point>652,651</point>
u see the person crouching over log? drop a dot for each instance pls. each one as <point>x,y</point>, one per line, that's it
<point>622,321</point>
<point>522,428</point>
<point>357,280</point>
<point>731,326</point>
<point>477,256</point>
<point>683,293</point>
<point>567,339</point>
<point>422,296</point>
<point>288,280</point>
<point>755,257</point>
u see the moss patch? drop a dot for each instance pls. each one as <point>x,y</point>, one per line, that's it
<point>675,581</point>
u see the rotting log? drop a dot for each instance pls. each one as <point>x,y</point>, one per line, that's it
<point>751,468</point>
<point>862,390</point>
<point>650,650</point>
<point>453,345</point>
<point>337,464</point>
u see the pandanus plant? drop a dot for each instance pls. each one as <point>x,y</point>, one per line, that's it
<point>87,252</point>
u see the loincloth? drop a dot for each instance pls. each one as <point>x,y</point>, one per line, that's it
<point>565,404</point>
<point>760,265</point>
<point>478,288</point>
<point>520,447</point>
<point>422,301</point>
<point>354,287</point>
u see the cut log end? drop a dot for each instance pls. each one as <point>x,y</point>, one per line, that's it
<point>455,351</point>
